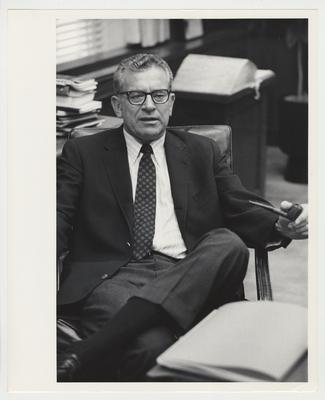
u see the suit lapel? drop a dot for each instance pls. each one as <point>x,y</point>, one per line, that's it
<point>177,161</point>
<point>117,168</point>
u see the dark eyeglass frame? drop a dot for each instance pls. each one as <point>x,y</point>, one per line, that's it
<point>128,94</point>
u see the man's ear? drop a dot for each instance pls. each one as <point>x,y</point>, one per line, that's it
<point>172,100</point>
<point>116,104</point>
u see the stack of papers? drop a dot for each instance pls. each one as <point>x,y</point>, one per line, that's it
<point>75,104</point>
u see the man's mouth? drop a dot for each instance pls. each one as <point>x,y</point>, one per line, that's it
<point>149,119</point>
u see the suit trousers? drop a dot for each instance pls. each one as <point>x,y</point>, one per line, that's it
<point>188,289</point>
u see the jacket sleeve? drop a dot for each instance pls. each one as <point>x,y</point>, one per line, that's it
<point>69,184</point>
<point>253,224</point>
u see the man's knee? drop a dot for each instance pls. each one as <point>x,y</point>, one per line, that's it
<point>231,243</point>
<point>236,244</point>
<point>142,353</point>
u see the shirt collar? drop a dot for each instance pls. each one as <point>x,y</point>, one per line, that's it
<point>133,147</point>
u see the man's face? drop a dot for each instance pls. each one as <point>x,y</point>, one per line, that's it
<point>146,122</point>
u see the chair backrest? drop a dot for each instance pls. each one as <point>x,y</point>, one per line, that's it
<point>220,133</point>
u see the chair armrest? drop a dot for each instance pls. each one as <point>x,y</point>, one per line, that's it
<point>60,268</point>
<point>262,273</point>
<point>67,333</point>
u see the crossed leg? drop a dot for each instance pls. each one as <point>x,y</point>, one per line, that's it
<point>173,296</point>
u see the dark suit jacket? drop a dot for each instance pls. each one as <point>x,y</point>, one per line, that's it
<point>95,206</point>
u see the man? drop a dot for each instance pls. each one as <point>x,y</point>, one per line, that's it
<point>156,226</point>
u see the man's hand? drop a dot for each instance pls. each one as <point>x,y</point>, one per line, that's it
<point>297,229</point>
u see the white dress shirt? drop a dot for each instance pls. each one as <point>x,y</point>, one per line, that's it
<point>167,238</point>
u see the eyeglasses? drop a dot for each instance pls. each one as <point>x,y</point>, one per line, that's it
<point>137,97</point>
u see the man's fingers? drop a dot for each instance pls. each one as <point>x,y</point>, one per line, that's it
<point>297,229</point>
<point>303,235</point>
<point>297,233</point>
<point>283,221</point>
<point>296,224</point>
<point>302,229</point>
<point>302,218</point>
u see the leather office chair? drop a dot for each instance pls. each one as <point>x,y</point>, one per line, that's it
<point>222,135</point>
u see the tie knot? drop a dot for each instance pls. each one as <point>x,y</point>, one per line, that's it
<point>146,149</point>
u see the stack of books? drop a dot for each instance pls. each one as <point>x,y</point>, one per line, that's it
<point>75,104</point>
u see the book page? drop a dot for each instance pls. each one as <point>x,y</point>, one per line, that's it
<point>214,75</point>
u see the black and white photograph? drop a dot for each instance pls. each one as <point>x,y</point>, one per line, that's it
<point>182,143</point>
<point>161,230</point>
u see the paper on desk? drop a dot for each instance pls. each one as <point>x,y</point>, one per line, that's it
<point>243,341</point>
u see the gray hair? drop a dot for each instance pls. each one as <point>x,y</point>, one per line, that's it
<point>137,63</point>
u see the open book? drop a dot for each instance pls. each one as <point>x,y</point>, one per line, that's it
<point>224,76</point>
<point>243,341</point>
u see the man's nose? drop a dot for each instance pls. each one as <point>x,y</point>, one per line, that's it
<point>149,103</point>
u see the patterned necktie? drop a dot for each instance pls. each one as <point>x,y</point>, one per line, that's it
<point>144,205</point>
